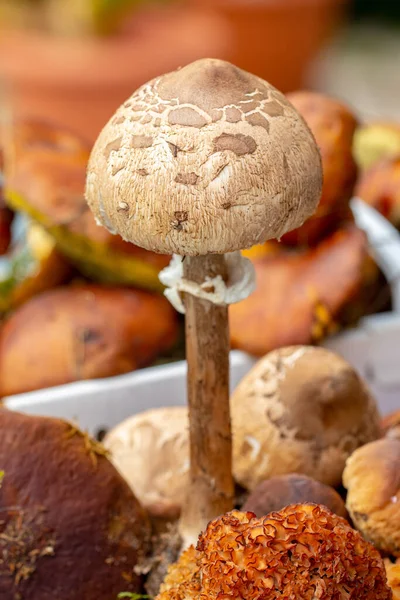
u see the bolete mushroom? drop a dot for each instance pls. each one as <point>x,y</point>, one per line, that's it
<point>372,480</point>
<point>203,162</point>
<point>278,492</point>
<point>333,125</point>
<point>303,410</point>
<point>64,335</point>
<point>69,524</point>
<point>317,289</point>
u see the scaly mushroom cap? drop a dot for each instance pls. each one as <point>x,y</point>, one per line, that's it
<point>151,450</point>
<point>208,148</point>
<point>301,552</point>
<point>372,480</point>
<point>300,410</point>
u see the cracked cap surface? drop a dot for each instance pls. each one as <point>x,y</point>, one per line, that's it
<point>206,159</point>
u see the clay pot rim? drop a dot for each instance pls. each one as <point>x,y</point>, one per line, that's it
<point>65,60</point>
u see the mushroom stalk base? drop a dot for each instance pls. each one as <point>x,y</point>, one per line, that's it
<point>211,489</point>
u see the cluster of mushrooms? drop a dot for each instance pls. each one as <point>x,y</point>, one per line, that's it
<point>68,276</point>
<point>237,495</point>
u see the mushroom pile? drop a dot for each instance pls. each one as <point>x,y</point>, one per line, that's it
<point>320,275</point>
<point>240,494</point>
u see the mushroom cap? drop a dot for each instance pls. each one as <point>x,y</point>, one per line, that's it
<point>303,551</point>
<point>333,125</point>
<point>151,451</point>
<point>276,493</point>
<point>300,410</point>
<point>314,289</point>
<point>70,525</point>
<point>64,335</point>
<point>372,480</point>
<point>206,159</point>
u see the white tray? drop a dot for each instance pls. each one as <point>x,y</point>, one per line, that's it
<point>373,348</point>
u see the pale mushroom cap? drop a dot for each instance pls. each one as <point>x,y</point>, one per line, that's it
<point>151,451</point>
<point>206,159</point>
<point>300,410</point>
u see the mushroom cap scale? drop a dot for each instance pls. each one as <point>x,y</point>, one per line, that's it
<point>206,159</point>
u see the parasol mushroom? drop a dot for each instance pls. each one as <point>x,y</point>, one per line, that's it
<point>201,163</point>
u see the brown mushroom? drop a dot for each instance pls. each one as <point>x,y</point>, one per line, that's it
<point>333,125</point>
<point>74,333</point>
<point>278,492</point>
<point>302,551</point>
<point>45,170</point>
<point>69,523</point>
<point>310,290</point>
<point>379,186</point>
<point>151,451</point>
<point>202,162</point>
<point>372,480</point>
<point>300,410</point>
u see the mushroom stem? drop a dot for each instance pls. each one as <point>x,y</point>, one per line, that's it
<point>207,349</point>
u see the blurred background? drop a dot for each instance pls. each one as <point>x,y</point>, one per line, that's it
<point>66,65</point>
<point>77,60</point>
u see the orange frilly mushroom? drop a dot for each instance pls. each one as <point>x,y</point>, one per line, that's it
<point>301,552</point>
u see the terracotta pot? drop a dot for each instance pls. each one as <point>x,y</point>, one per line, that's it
<point>79,83</point>
<point>277,39</point>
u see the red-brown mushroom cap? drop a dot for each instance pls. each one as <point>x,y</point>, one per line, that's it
<point>301,552</point>
<point>70,527</point>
